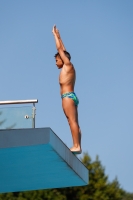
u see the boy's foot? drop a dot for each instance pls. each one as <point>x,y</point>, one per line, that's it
<point>76,150</point>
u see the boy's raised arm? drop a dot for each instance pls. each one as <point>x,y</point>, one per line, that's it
<point>58,35</point>
<point>59,47</point>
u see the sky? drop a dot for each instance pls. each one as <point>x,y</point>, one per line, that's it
<point>99,37</point>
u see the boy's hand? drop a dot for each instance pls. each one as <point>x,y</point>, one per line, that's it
<point>57,33</point>
<point>54,30</point>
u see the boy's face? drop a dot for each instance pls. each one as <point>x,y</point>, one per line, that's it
<point>59,62</point>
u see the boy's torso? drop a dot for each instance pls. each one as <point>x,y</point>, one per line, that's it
<point>67,80</point>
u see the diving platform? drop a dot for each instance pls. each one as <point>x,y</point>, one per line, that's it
<point>36,158</point>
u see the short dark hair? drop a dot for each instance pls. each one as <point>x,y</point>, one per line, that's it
<point>66,53</point>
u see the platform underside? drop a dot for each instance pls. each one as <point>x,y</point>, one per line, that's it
<point>33,159</point>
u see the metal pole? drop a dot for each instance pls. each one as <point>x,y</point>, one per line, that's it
<point>33,115</point>
<point>19,102</point>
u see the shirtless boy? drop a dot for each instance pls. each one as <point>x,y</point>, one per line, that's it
<point>70,101</point>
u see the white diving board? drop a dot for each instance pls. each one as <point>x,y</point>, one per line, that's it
<point>34,159</point>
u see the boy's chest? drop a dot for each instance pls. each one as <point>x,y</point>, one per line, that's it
<point>66,77</point>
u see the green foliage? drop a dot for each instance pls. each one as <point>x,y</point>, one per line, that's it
<point>99,188</point>
<point>34,195</point>
<point>127,196</point>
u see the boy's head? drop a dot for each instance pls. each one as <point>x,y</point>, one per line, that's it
<point>66,53</point>
<point>59,61</point>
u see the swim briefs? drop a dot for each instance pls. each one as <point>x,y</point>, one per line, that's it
<point>72,96</point>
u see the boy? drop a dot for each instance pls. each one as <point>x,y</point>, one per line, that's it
<point>70,101</point>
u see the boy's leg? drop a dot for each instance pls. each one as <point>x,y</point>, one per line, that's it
<point>71,113</point>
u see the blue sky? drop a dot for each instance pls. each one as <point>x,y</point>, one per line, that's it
<point>99,36</point>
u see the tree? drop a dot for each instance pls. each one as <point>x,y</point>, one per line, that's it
<point>34,195</point>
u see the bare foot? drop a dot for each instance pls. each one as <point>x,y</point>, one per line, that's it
<point>75,150</point>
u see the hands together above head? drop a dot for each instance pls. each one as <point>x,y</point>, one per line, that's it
<point>55,31</point>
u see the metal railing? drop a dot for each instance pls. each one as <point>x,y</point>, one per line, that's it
<point>19,102</point>
<point>24,102</point>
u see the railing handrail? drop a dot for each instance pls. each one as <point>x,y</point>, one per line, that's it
<point>19,101</point>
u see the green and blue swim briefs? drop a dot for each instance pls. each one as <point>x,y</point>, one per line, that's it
<point>72,96</point>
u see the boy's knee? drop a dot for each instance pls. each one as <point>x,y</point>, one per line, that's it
<point>72,121</point>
